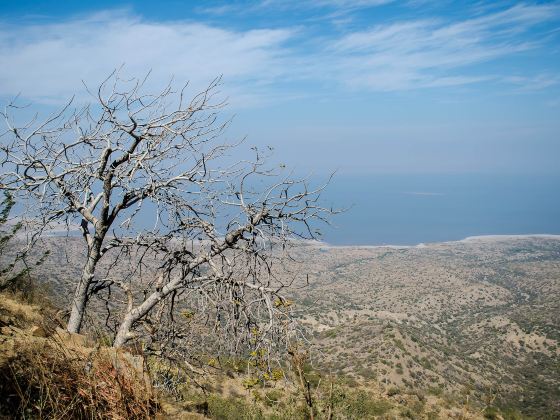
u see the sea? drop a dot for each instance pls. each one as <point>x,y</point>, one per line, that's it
<point>421,209</point>
<point>414,209</point>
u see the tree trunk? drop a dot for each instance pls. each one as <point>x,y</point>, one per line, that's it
<point>134,315</point>
<point>123,334</point>
<point>79,301</point>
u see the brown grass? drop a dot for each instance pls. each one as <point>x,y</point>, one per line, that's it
<point>46,380</point>
<point>61,376</point>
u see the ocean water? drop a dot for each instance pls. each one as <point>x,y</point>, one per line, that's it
<point>412,209</point>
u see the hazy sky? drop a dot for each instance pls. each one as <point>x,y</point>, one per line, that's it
<point>362,86</point>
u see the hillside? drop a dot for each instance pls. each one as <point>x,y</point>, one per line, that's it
<point>473,325</point>
<point>479,317</point>
<point>47,372</point>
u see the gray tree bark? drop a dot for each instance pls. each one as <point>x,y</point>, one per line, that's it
<point>80,299</point>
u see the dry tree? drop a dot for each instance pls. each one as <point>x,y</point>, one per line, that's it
<point>148,178</point>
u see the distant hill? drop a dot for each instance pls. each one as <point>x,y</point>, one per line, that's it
<point>479,317</point>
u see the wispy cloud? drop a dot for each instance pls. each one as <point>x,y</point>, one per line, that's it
<point>533,83</point>
<point>323,10</point>
<point>48,61</point>
<point>350,3</point>
<point>347,4</point>
<point>432,52</point>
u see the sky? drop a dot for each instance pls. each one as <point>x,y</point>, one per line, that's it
<point>363,87</point>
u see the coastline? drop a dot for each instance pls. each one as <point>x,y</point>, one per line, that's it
<point>476,238</point>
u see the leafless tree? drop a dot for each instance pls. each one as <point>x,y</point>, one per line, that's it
<point>216,224</point>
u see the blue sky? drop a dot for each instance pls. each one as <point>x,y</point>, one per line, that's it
<point>362,86</point>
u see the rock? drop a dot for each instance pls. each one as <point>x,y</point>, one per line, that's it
<point>70,339</point>
<point>6,331</point>
<point>37,331</point>
<point>11,330</point>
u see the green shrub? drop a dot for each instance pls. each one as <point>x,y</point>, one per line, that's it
<point>393,391</point>
<point>491,413</point>
<point>362,405</point>
<point>399,344</point>
<point>273,397</point>
<point>435,390</point>
<point>357,405</point>
<point>232,409</point>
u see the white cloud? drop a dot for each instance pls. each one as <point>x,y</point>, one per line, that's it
<point>427,53</point>
<point>533,83</point>
<point>48,62</point>
<point>334,7</point>
<point>350,3</point>
<point>354,4</point>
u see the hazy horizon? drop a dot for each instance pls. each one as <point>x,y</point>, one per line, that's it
<point>414,209</point>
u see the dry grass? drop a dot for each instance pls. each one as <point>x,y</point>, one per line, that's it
<point>60,377</point>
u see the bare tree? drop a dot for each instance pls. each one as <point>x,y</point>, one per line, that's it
<point>148,175</point>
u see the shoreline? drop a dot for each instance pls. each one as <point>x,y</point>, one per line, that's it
<point>468,239</point>
<point>321,244</point>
